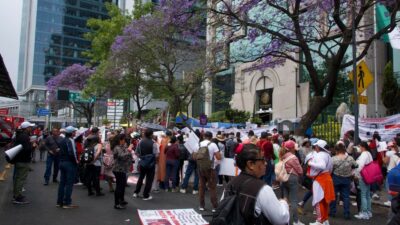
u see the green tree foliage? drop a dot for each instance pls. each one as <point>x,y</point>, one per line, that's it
<point>103,32</point>
<point>390,93</point>
<point>110,81</point>
<point>237,116</point>
<point>218,116</point>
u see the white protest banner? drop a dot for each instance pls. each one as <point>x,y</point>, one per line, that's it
<point>387,127</point>
<point>171,217</point>
<point>192,142</point>
<point>228,168</point>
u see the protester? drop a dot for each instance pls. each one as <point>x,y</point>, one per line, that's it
<point>68,169</point>
<point>148,153</point>
<point>172,156</point>
<point>323,189</point>
<point>108,163</point>
<point>364,159</point>
<point>220,142</point>
<point>183,155</point>
<point>208,175</point>
<point>53,158</point>
<point>80,175</point>
<point>162,161</point>
<point>122,161</point>
<point>291,186</point>
<point>93,169</point>
<point>22,160</point>
<point>342,173</point>
<point>391,159</point>
<point>267,150</point>
<point>191,168</point>
<point>262,205</point>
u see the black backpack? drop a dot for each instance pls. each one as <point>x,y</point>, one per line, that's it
<point>229,210</point>
<point>230,147</point>
<point>88,155</point>
<point>183,152</point>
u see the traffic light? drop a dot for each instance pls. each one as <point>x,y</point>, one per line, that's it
<point>63,95</point>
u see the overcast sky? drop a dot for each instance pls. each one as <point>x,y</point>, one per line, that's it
<point>10,25</point>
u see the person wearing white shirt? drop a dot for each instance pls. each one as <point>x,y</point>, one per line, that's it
<point>323,190</point>
<point>364,159</point>
<point>262,205</point>
<point>209,176</point>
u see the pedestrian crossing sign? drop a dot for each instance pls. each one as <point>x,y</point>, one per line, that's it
<point>364,77</point>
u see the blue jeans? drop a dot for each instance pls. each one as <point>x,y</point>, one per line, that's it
<point>192,167</point>
<point>68,174</point>
<point>290,191</point>
<point>172,168</point>
<point>342,186</point>
<point>365,196</point>
<point>49,162</point>
<point>269,171</point>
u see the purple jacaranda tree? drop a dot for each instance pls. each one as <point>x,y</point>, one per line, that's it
<point>72,78</point>
<point>306,32</point>
<point>168,49</point>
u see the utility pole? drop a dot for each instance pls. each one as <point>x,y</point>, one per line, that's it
<point>353,18</point>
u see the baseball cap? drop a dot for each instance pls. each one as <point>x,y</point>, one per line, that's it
<point>290,144</point>
<point>322,144</point>
<point>70,129</point>
<point>27,124</point>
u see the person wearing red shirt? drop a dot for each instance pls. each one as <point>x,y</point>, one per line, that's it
<point>172,155</point>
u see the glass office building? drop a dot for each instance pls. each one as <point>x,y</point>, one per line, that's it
<point>52,38</point>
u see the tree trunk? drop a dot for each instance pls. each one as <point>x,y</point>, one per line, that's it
<point>318,105</point>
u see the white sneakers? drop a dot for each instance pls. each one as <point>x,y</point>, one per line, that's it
<point>195,192</point>
<point>148,198</point>
<point>298,223</point>
<point>183,191</point>
<point>375,196</point>
<point>362,216</point>
<point>202,209</point>
<point>388,203</point>
<point>135,195</point>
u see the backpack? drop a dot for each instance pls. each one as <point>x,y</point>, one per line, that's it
<point>88,155</point>
<point>232,209</point>
<point>183,152</point>
<point>280,171</point>
<point>202,157</point>
<point>393,179</point>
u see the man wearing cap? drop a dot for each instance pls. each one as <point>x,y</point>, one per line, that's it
<point>22,160</point>
<point>68,169</point>
<point>323,190</point>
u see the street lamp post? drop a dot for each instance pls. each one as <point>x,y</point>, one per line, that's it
<point>353,15</point>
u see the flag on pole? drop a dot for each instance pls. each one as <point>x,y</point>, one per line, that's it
<point>383,20</point>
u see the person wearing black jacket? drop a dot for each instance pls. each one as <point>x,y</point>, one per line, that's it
<point>22,160</point>
<point>68,169</point>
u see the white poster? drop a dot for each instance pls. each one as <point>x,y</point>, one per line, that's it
<point>228,168</point>
<point>192,143</point>
<point>171,217</point>
<point>387,127</point>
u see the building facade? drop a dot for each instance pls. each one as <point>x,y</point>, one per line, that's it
<point>51,40</point>
<point>281,93</point>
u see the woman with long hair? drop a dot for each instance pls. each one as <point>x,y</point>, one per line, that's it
<point>295,171</point>
<point>364,159</point>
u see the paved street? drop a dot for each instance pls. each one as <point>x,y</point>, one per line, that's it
<point>99,210</point>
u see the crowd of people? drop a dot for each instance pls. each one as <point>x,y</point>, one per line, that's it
<point>277,166</point>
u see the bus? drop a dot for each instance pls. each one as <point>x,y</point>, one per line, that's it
<point>8,124</point>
